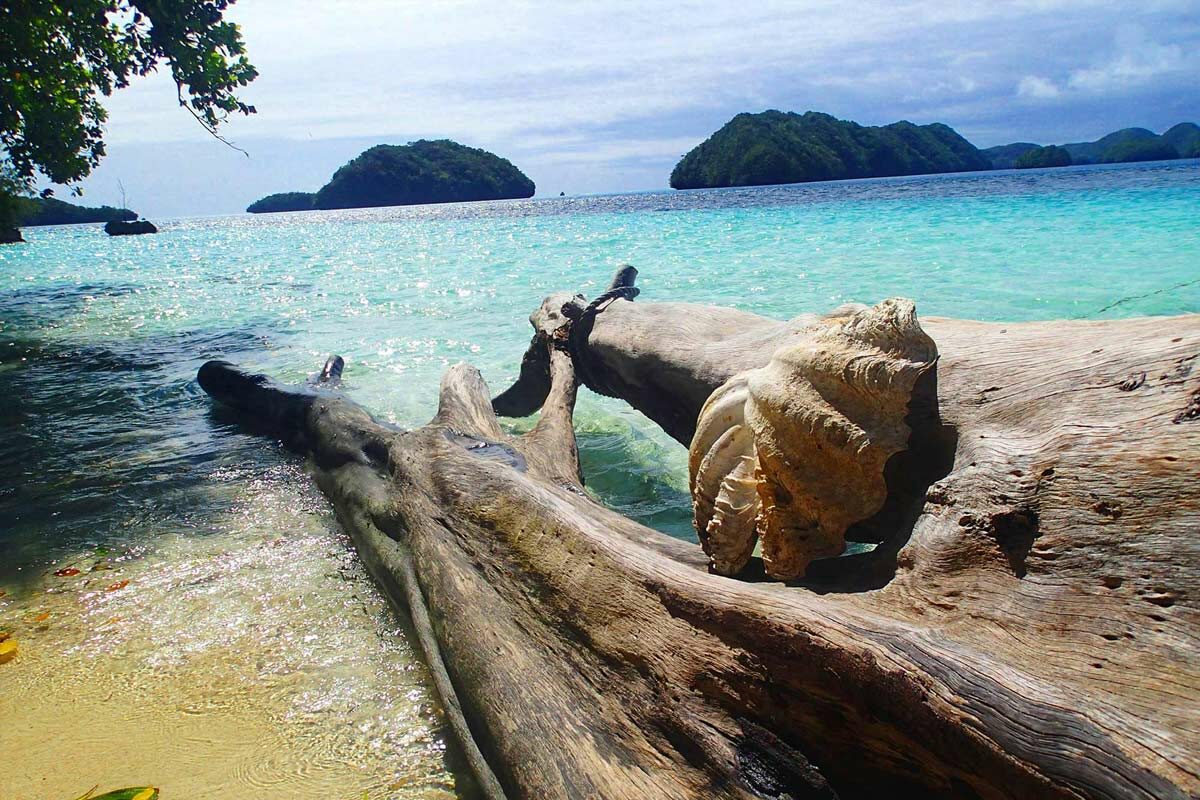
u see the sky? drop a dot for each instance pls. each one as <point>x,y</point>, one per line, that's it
<point>589,97</point>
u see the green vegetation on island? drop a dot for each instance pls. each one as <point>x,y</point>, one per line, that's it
<point>777,147</point>
<point>18,211</point>
<point>1098,152</point>
<point>1040,157</point>
<point>1185,138</point>
<point>49,211</point>
<point>1125,145</point>
<point>1155,149</point>
<point>425,171</point>
<point>283,201</point>
<point>1004,156</point>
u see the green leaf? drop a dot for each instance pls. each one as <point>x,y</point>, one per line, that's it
<point>129,793</point>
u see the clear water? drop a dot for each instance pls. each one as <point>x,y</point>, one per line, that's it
<point>248,650</point>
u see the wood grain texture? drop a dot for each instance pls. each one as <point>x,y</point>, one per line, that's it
<point>1026,627</point>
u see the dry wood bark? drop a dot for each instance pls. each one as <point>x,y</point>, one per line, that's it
<point>1026,627</point>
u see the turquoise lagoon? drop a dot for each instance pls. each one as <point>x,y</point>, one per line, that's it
<point>248,650</point>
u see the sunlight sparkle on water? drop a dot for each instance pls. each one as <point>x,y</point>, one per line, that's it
<point>249,651</point>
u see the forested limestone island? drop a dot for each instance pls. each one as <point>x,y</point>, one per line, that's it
<point>1124,146</point>
<point>283,201</point>
<point>18,212</point>
<point>784,147</point>
<point>49,211</point>
<point>1039,157</point>
<point>1004,156</point>
<point>1185,138</point>
<point>425,171</point>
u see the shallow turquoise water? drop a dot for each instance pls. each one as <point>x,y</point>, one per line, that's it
<point>108,443</point>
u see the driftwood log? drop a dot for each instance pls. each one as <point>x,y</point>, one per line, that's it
<point>1026,625</point>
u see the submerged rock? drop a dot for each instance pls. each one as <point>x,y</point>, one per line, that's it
<point>121,228</point>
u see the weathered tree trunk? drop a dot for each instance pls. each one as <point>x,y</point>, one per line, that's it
<point>1026,627</point>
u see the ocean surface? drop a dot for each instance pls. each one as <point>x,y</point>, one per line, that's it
<point>211,630</point>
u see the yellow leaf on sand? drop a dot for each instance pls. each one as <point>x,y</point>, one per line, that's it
<point>148,793</point>
<point>8,650</point>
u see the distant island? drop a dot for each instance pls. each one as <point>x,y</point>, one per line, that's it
<point>1123,146</point>
<point>31,211</point>
<point>1040,157</point>
<point>785,147</point>
<point>424,171</point>
<point>283,201</point>
<point>774,147</point>
<point>18,212</point>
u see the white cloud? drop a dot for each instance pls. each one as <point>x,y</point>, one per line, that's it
<point>1037,88</point>
<point>1133,60</point>
<point>1137,61</point>
<point>497,70</point>
<point>593,92</point>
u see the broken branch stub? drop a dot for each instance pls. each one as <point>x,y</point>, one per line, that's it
<point>562,320</point>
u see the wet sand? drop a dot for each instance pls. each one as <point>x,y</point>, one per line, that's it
<point>257,661</point>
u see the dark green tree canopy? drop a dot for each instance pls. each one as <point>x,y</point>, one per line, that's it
<point>777,147</point>
<point>1156,149</point>
<point>1127,144</point>
<point>59,58</point>
<point>1185,138</point>
<point>1048,156</point>
<point>1005,156</point>
<point>424,171</point>
<point>51,211</point>
<point>283,201</point>
<point>1096,152</point>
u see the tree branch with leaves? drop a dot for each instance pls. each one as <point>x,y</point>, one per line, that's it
<point>59,59</point>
